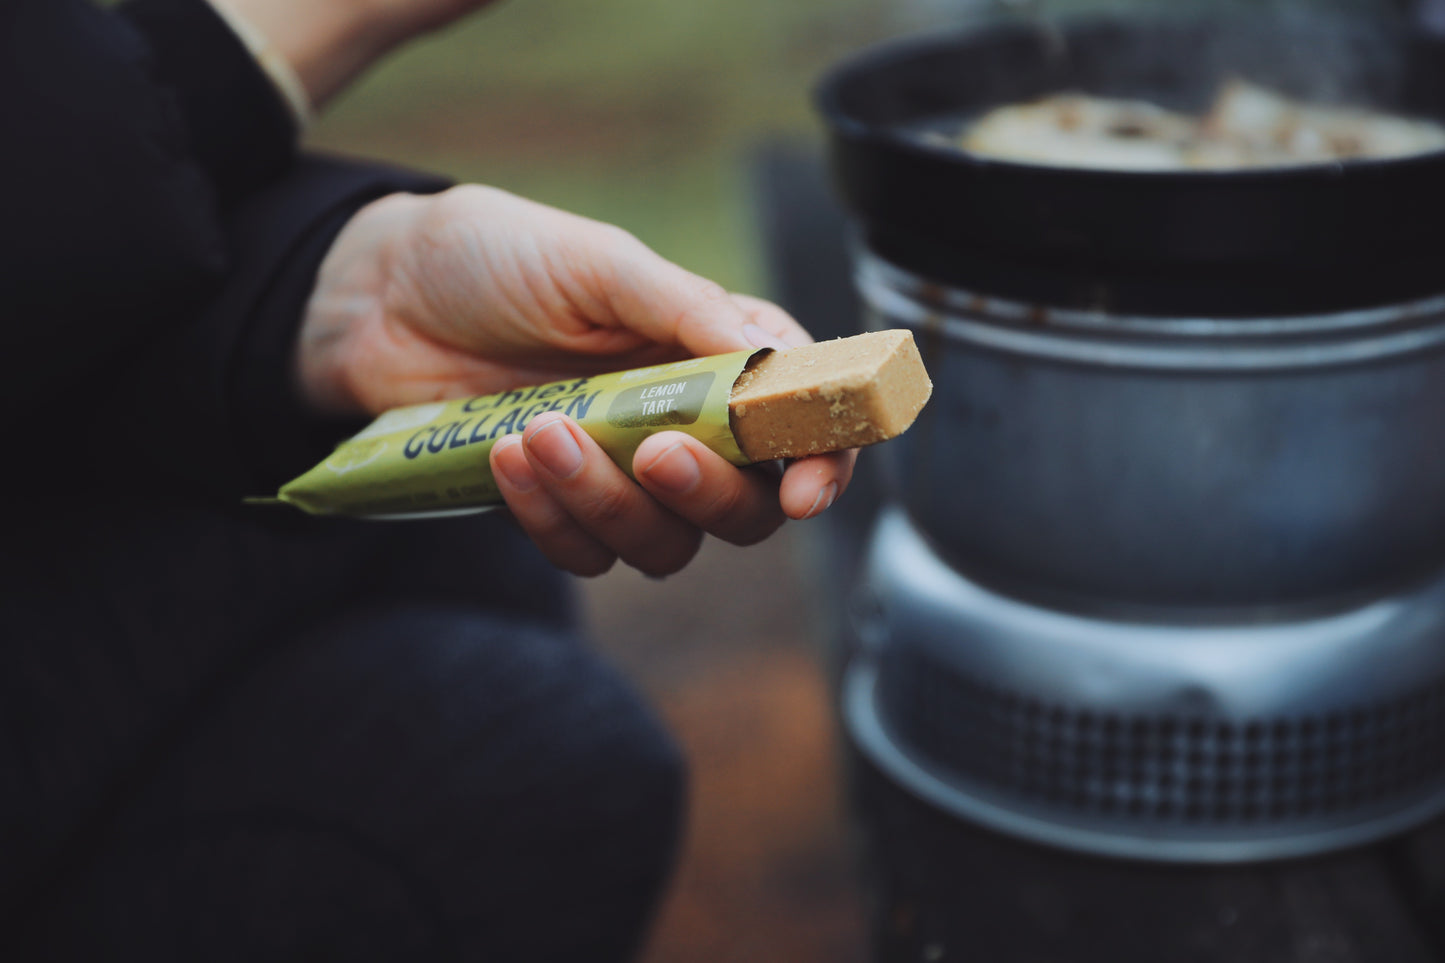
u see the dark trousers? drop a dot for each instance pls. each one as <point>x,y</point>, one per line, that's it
<point>414,777</point>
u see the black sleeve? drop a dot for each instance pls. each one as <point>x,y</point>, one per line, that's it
<point>120,135</point>
<point>227,419</point>
<point>239,127</point>
<point>108,225</point>
<point>160,241</point>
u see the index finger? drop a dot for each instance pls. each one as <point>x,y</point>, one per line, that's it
<point>669,304</point>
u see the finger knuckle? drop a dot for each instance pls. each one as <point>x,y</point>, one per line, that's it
<point>617,238</point>
<point>740,517</point>
<point>548,527</point>
<point>723,509</point>
<point>707,292</point>
<point>463,204</point>
<point>608,507</point>
<point>457,201</point>
<point>468,194</point>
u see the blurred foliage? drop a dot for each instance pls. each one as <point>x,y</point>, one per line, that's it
<point>639,112</point>
<point>643,112</point>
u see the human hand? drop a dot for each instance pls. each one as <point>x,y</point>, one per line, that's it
<point>476,291</point>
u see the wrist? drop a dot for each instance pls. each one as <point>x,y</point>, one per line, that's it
<point>325,42</point>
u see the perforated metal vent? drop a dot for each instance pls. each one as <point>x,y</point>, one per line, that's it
<point>1162,769</point>
<point>1211,740</point>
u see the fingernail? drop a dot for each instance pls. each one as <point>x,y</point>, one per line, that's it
<point>674,471</point>
<point>824,499</point>
<point>512,463</point>
<point>763,339</point>
<point>554,446</point>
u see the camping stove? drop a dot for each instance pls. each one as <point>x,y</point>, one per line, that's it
<point>1164,575</point>
<point>1181,742</point>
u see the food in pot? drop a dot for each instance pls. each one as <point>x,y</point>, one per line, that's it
<point>1247,126</point>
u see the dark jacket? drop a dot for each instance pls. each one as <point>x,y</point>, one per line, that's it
<point>159,236</point>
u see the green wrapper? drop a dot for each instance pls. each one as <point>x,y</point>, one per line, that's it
<point>430,460</point>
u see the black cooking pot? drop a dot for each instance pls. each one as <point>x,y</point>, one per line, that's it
<point>1159,391</point>
<point>1201,243</point>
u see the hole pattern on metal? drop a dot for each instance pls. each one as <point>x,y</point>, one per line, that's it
<point>1168,769</point>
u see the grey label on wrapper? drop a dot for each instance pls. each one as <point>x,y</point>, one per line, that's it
<point>677,401</point>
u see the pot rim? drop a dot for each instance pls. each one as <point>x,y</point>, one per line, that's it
<point>1098,338</point>
<point>1238,243</point>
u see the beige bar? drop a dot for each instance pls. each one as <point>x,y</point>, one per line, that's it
<point>829,396</point>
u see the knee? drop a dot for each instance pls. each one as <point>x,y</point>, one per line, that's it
<point>638,793</point>
<point>526,726</point>
<point>588,791</point>
<point>590,761</point>
<point>516,777</point>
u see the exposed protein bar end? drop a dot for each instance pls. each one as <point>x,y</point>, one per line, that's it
<point>829,396</point>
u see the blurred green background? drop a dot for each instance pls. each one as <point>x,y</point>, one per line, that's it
<point>637,112</point>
